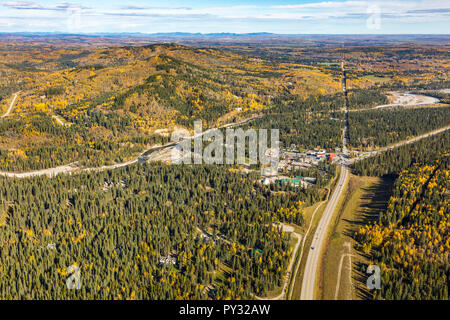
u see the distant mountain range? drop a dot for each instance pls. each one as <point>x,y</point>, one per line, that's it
<point>225,34</point>
<point>225,38</point>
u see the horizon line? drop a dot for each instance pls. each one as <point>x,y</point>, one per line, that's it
<point>220,33</point>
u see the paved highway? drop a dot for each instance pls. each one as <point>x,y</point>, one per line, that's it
<point>315,251</point>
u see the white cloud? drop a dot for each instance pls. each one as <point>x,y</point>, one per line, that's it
<point>322,5</point>
<point>29,5</point>
<point>145,17</point>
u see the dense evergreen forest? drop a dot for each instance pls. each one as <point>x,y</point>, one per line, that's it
<point>308,123</point>
<point>444,97</point>
<point>393,161</point>
<point>366,98</point>
<point>92,152</point>
<point>117,225</point>
<point>379,128</point>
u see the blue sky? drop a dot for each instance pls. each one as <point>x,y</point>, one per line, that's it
<point>283,16</point>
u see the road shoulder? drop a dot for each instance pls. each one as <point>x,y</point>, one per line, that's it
<point>362,202</point>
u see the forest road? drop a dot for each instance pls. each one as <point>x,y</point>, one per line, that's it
<point>11,105</point>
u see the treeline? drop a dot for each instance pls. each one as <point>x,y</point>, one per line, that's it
<point>116,226</point>
<point>416,84</point>
<point>444,97</point>
<point>366,98</point>
<point>379,128</point>
<point>43,157</point>
<point>53,91</point>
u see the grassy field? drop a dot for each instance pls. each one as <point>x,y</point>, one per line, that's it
<point>376,79</point>
<point>364,199</point>
<point>329,64</point>
<point>299,276</point>
<point>330,235</point>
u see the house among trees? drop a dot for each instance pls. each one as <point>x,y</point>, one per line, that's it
<point>168,260</point>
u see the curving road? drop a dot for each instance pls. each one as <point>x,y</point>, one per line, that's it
<point>74,168</point>
<point>343,256</point>
<point>405,99</point>
<point>289,272</point>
